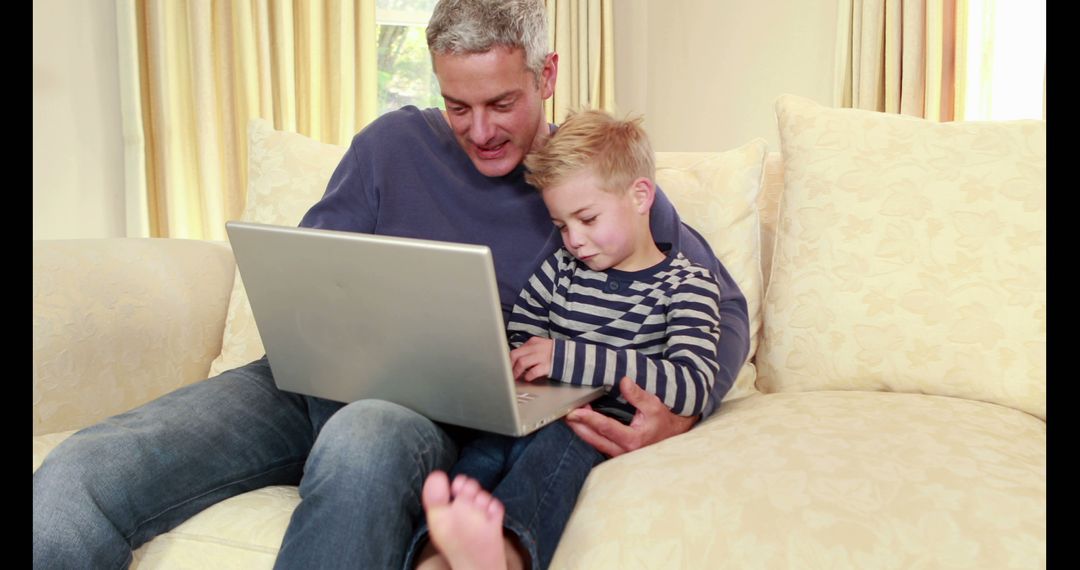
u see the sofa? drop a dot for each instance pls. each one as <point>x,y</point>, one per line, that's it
<point>891,413</point>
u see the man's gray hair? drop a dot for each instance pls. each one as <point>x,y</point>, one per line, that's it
<point>476,26</point>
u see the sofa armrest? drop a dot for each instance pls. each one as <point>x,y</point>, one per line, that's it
<point>119,322</point>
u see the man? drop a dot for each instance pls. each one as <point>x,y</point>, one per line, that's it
<point>360,467</point>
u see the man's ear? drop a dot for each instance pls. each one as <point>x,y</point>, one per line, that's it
<point>643,192</point>
<point>548,75</point>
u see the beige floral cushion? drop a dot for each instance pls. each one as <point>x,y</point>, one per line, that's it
<point>716,193</point>
<point>910,257</point>
<point>287,174</point>
<point>831,480</point>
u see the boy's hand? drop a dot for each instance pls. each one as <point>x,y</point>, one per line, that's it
<point>653,422</point>
<point>532,360</point>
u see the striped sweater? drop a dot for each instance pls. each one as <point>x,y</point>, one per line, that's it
<point>660,326</point>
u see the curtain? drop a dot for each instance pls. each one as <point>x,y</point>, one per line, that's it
<point>897,57</point>
<point>193,72</point>
<point>582,33</point>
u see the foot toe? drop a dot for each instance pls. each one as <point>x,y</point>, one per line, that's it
<point>436,492</point>
<point>495,510</point>
<point>466,490</point>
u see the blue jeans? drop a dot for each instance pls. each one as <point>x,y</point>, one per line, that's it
<point>537,478</point>
<point>360,468</point>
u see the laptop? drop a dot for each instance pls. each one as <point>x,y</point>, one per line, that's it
<point>348,316</point>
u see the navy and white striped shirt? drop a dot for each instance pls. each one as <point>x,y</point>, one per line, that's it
<point>660,326</point>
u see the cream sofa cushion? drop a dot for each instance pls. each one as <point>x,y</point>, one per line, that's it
<point>910,257</point>
<point>840,480</point>
<point>820,479</point>
<point>287,174</point>
<point>716,193</point>
<point>244,531</point>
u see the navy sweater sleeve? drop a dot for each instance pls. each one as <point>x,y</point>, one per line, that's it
<point>350,202</point>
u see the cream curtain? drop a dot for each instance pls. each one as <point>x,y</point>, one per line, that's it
<point>582,33</point>
<point>193,72</point>
<point>897,57</point>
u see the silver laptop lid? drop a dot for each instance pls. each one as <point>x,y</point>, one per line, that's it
<point>347,316</point>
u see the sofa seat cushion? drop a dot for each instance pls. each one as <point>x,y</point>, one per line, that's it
<point>819,479</point>
<point>824,480</point>
<point>242,532</point>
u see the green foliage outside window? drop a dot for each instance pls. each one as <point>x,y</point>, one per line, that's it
<point>405,75</point>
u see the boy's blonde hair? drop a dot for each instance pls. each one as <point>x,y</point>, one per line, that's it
<point>618,152</point>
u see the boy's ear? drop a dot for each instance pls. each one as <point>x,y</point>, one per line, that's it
<point>643,192</point>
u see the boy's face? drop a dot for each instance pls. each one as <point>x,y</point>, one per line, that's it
<point>495,105</point>
<point>602,229</point>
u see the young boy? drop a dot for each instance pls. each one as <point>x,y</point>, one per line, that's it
<point>611,303</point>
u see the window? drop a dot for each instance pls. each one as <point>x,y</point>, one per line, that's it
<point>405,75</point>
<point>1006,60</point>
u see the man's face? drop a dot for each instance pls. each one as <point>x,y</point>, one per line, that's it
<point>601,228</point>
<point>495,105</point>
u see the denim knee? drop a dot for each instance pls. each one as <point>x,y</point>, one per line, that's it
<point>379,440</point>
<point>72,492</point>
<point>117,484</point>
<point>360,494</point>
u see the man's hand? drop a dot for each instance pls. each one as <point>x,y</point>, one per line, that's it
<point>532,360</point>
<point>653,422</point>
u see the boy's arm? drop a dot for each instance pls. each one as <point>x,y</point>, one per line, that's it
<point>530,315</point>
<point>682,376</point>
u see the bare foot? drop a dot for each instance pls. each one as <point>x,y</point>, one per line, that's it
<point>465,522</point>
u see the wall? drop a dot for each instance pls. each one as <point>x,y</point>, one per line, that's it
<point>705,73</point>
<point>78,141</point>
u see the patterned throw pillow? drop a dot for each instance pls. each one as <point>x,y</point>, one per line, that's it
<point>287,174</point>
<point>910,257</point>
<point>716,193</point>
